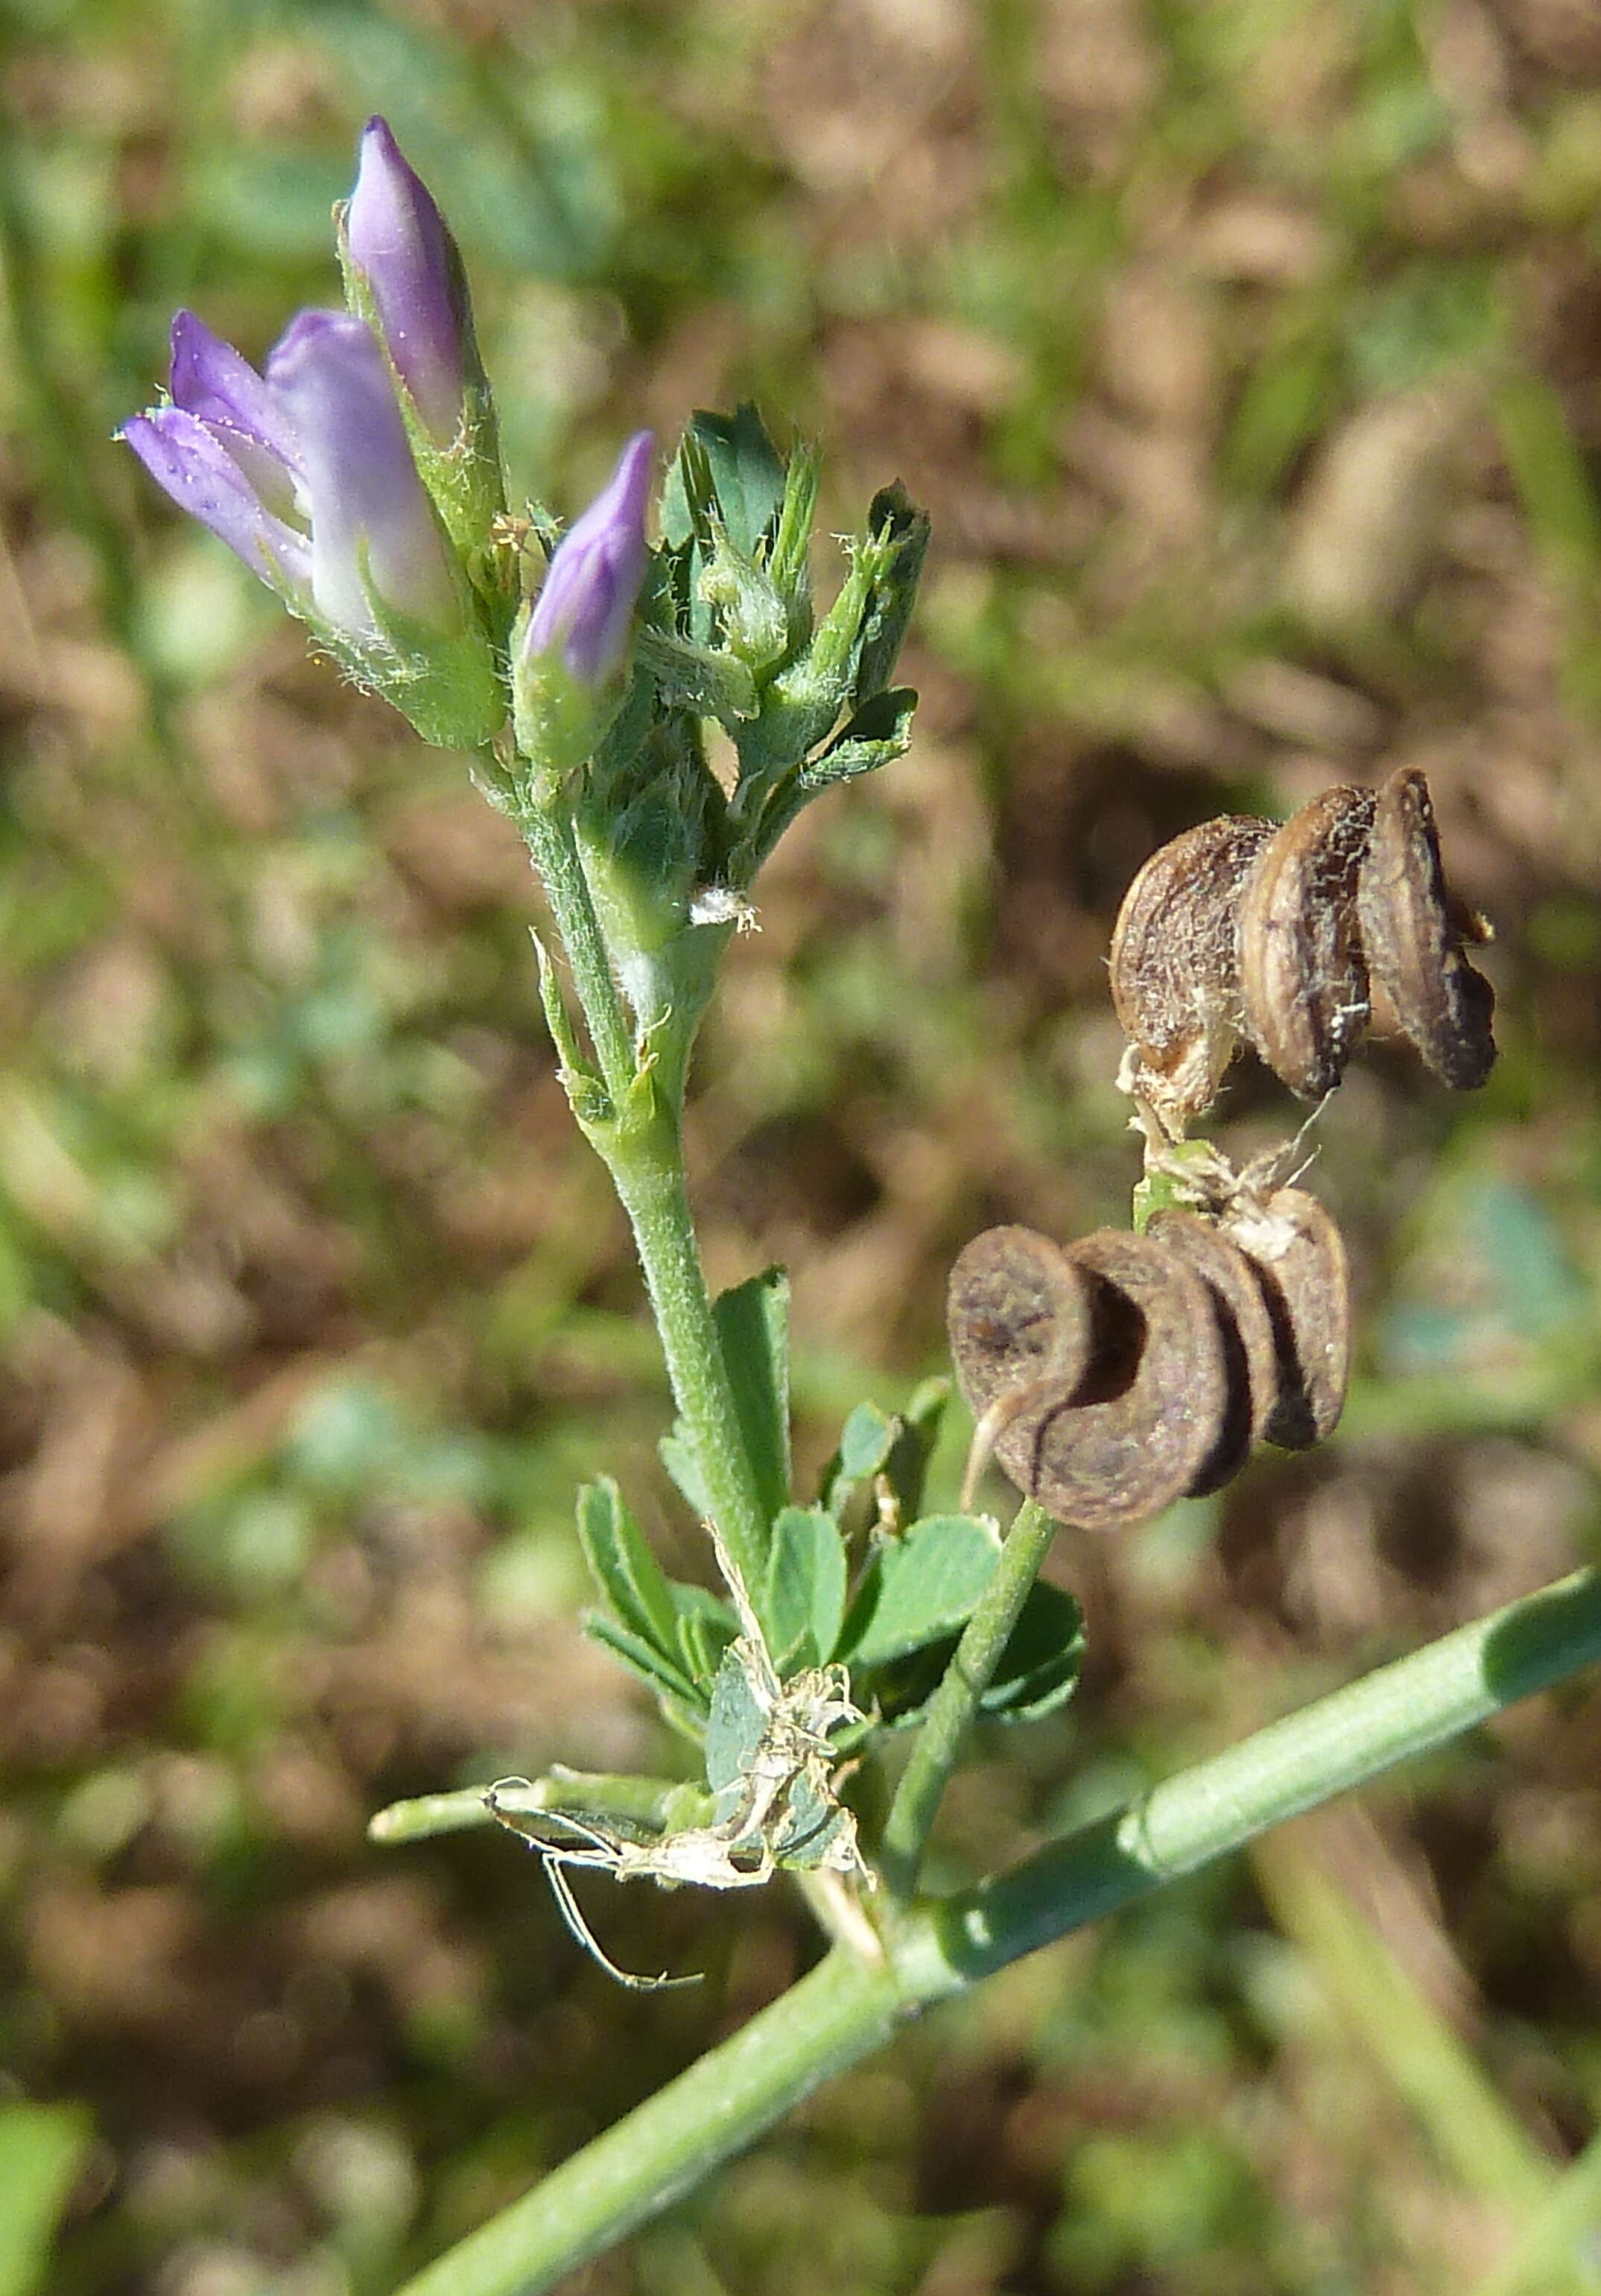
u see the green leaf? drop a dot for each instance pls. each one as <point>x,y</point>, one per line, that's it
<point>677,1454</point>
<point>705,1628</point>
<point>919,1588</point>
<point>1040,1665</point>
<point>804,1603</point>
<point>42,2149</point>
<point>899,532</point>
<point>626,1573</point>
<point>866,1441</point>
<point>663,1674</point>
<point>920,1424</point>
<point>746,471</point>
<point>734,1730</point>
<point>753,1325</point>
<point>879,730</point>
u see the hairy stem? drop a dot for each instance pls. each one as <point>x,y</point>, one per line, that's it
<point>847,2006</point>
<point>954,1704</point>
<point>550,839</point>
<point>641,1141</point>
<point>647,1167</point>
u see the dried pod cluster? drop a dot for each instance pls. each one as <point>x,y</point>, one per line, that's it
<point>1240,932</point>
<point>1112,1376</point>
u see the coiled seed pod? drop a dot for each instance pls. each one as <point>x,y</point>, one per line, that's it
<point>1131,1432</point>
<point>1123,1371</point>
<point>1175,964</point>
<point>1297,1252</point>
<point>1303,978</point>
<point>1245,1325</point>
<point>1413,935</point>
<point>1239,930</point>
<point>1024,1312</point>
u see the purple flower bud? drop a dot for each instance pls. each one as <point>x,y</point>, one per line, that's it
<point>585,608</point>
<point>225,452</point>
<point>371,524</point>
<point>397,239</point>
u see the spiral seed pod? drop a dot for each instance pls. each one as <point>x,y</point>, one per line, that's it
<point>1303,978</point>
<point>1246,1328</point>
<point>1413,938</point>
<point>1019,1315</point>
<point>1135,1429</point>
<point>1297,1252</point>
<point>1174,964</point>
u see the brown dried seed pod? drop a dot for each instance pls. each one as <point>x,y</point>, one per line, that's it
<point>1018,1312</point>
<point>1414,937</point>
<point>1296,1248</point>
<point>1250,1347</point>
<point>1143,1420</point>
<point>1303,980</point>
<point>1174,966</point>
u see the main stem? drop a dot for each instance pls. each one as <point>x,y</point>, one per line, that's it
<point>847,2006</point>
<point>642,1143</point>
<point>647,1167</point>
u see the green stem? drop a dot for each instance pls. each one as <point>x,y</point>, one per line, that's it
<point>548,833</point>
<point>642,1144</point>
<point>591,1792</point>
<point>647,1167</point>
<point>847,2007</point>
<point>954,1704</point>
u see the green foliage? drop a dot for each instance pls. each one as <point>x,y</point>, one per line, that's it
<point>280,1156</point>
<point>42,2149</point>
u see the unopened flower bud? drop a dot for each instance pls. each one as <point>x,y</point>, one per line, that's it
<point>584,612</point>
<point>399,243</point>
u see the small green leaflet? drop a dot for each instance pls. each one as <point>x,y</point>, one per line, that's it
<point>919,1588</point>
<point>625,1572</point>
<point>735,1731</point>
<point>803,1603</point>
<point>752,1324</point>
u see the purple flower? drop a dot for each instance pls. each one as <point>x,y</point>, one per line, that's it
<point>585,608</point>
<point>399,242</point>
<point>372,528</point>
<point>225,451</point>
<point>307,473</point>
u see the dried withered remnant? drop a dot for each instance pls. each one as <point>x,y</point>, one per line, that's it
<point>1238,931</point>
<point>1200,1337</point>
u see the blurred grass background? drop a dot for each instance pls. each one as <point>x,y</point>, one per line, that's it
<point>1248,357</point>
